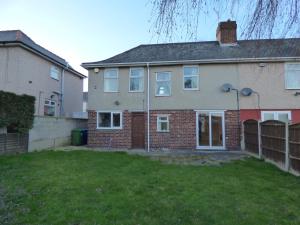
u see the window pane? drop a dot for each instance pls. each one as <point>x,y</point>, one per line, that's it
<point>49,110</point>
<point>284,117</point>
<point>163,76</point>
<point>293,79</point>
<point>134,72</point>
<point>163,88</point>
<point>116,120</point>
<point>190,70</point>
<point>164,126</point>
<point>269,116</point>
<point>112,73</point>
<point>191,82</point>
<point>110,84</point>
<point>54,72</point>
<point>104,119</point>
<point>163,118</point>
<point>136,84</point>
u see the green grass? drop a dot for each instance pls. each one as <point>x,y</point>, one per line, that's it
<point>115,188</point>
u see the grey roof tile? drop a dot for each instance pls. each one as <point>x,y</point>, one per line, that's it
<point>209,50</point>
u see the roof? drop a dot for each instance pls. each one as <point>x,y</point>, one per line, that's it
<point>205,51</point>
<point>18,37</point>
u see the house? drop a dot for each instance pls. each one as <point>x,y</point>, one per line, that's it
<point>193,95</point>
<point>28,68</point>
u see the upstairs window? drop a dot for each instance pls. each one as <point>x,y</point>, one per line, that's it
<point>109,120</point>
<point>190,77</point>
<point>111,80</point>
<point>163,84</point>
<point>49,108</point>
<point>136,80</point>
<point>292,76</point>
<point>54,72</point>
<point>163,123</point>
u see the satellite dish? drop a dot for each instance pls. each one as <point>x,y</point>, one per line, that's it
<point>246,91</point>
<point>226,87</point>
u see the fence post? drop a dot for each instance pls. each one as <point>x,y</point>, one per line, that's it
<point>259,140</point>
<point>287,147</point>
<point>243,137</point>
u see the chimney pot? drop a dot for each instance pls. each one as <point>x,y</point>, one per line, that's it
<point>226,33</point>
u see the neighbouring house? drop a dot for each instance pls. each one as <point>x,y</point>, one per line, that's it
<point>28,68</point>
<point>193,95</point>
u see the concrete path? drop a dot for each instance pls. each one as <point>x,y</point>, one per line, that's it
<point>185,157</point>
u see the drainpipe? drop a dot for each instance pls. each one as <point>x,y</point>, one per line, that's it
<point>148,108</point>
<point>62,90</point>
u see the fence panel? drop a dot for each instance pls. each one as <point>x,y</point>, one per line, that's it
<point>294,143</point>
<point>13,142</point>
<point>251,136</point>
<point>273,140</point>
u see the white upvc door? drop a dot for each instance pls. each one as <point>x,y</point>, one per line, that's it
<point>210,129</point>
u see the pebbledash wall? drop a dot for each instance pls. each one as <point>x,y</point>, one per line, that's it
<point>182,134</point>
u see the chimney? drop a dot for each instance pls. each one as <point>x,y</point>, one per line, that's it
<point>226,33</point>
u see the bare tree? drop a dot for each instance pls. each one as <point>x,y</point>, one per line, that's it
<point>256,18</point>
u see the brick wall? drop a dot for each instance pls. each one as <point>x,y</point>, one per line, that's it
<point>182,134</point>
<point>232,130</point>
<point>109,138</point>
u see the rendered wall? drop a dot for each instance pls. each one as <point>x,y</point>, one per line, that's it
<point>51,132</point>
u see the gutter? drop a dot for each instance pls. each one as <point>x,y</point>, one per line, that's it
<point>62,90</point>
<point>201,61</point>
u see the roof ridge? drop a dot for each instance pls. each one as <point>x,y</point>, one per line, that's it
<point>242,40</point>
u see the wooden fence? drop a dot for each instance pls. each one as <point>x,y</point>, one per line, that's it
<point>274,141</point>
<point>13,142</point>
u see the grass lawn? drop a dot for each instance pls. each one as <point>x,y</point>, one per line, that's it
<point>115,188</point>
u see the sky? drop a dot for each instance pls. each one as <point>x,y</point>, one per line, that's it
<point>87,30</point>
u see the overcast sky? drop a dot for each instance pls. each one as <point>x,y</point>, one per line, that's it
<point>86,30</point>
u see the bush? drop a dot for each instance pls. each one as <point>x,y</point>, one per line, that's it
<point>16,111</point>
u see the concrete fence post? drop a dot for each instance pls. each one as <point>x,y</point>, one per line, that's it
<point>287,147</point>
<point>259,140</point>
<point>243,137</point>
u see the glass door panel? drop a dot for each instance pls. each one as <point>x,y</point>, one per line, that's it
<point>217,129</point>
<point>203,129</point>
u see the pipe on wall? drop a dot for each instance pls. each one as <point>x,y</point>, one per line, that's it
<point>148,107</point>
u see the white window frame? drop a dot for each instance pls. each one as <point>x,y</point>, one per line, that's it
<point>275,113</point>
<point>158,121</point>
<point>170,80</point>
<point>54,69</point>
<point>141,77</point>
<point>286,69</point>
<point>111,120</point>
<point>195,75</point>
<point>109,78</point>
<point>50,101</point>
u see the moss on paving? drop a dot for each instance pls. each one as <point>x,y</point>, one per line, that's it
<point>81,187</point>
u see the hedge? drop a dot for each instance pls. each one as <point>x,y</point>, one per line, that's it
<point>17,111</point>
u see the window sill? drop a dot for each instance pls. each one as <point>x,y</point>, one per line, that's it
<point>109,128</point>
<point>191,89</point>
<point>135,91</point>
<point>160,131</point>
<point>54,78</point>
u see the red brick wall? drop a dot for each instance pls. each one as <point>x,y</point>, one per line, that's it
<point>182,126</point>
<point>232,130</point>
<point>182,134</point>
<point>109,138</point>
